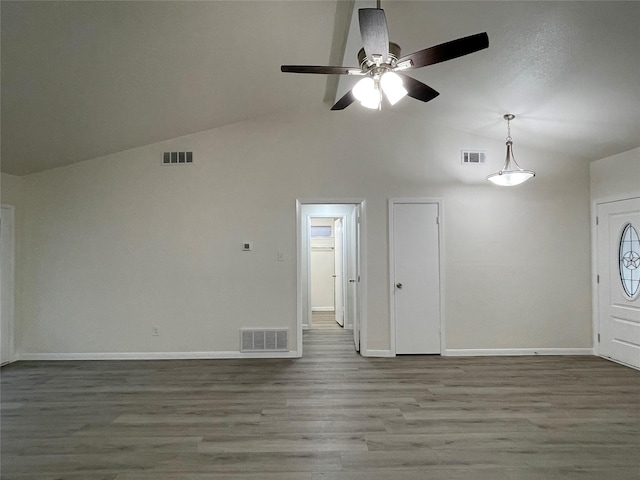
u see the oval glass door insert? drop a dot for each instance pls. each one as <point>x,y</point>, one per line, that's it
<point>629,258</point>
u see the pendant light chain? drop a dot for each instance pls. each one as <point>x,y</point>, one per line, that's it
<point>508,117</point>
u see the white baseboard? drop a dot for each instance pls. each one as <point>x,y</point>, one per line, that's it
<point>376,353</point>
<point>323,309</point>
<point>155,355</point>
<point>635,367</point>
<point>488,352</point>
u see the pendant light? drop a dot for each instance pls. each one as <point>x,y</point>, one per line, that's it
<point>508,177</point>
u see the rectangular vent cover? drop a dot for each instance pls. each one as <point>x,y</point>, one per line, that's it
<point>176,158</point>
<point>473,157</point>
<point>267,340</point>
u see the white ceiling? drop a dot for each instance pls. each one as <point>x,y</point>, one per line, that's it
<point>85,79</point>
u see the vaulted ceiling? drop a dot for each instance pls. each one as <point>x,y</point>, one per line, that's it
<point>84,79</point>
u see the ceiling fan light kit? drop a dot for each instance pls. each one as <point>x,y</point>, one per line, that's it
<point>380,63</point>
<point>508,176</point>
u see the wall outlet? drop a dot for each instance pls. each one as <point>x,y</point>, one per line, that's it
<point>155,331</point>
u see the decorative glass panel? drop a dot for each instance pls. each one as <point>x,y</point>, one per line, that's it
<point>630,260</point>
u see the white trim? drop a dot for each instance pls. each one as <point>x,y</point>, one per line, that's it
<point>309,249</point>
<point>363,250</point>
<point>154,355</point>
<point>362,253</point>
<point>496,352</point>
<point>323,309</point>
<point>12,275</point>
<point>377,353</point>
<point>619,362</point>
<point>392,316</point>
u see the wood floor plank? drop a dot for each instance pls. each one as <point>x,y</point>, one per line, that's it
<point>331,415</point>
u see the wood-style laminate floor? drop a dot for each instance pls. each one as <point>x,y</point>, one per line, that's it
<point>330,415</point>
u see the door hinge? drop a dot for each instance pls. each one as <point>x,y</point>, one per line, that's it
<point>597,220</point>
<point>597,278</point>
<point>437,220</point>
<point>598,338</point>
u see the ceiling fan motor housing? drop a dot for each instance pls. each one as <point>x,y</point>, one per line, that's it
<point>394,55</point>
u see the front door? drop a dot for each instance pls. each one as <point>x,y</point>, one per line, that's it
<point>618,252</point>
<point>416,277</point>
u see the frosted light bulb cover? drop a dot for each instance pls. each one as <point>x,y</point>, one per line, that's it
<point>392,87</point>
<point>366,92</point>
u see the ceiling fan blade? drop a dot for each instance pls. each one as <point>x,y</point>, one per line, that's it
<point>447,51</point>
<point>319,69</point>
<point>374,32</point>
<point>417,89</point>
<point>345,101</point>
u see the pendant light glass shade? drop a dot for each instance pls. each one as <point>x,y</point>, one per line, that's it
<point>509,176</point>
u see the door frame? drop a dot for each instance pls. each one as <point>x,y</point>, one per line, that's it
<point>11,300</point>
<point>595,287</point>
<point>361,287</point>
<point>342,217</point>
<point>441,254</point>
<point>339,260</point>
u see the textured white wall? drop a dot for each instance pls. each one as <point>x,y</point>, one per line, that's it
<point>617,176</point>
<point>10,189</point>
<point>11,193</point>
<point>114,246</point>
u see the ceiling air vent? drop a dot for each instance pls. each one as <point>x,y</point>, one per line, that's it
<point>472,157</point>
<point>177,158</point>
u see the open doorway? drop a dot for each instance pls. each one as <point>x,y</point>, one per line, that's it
<point>343,294</point>
<point>326,271</point>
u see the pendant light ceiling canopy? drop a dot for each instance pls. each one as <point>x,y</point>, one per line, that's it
<point>509,176</point>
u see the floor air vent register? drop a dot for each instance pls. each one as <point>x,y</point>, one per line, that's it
<point>264,340</point>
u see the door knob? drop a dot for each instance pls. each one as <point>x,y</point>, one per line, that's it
<point>334,275</point>
<point>352,280</point>
<point>398,285</point>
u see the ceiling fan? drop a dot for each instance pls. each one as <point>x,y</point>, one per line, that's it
<point>381,64</point>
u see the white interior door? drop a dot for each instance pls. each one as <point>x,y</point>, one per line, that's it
<point>354,276</point>
<point>338,276</point>
<point>416,277</point>
<point>618,252</point>
<point>7,283</point>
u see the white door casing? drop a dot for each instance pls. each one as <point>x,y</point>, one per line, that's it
<point>618,307</point>
<point>7,252</point>
<point>354,299</point>
<point>338,276</point>
<point>355,276</point>
<point>414,240</point>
